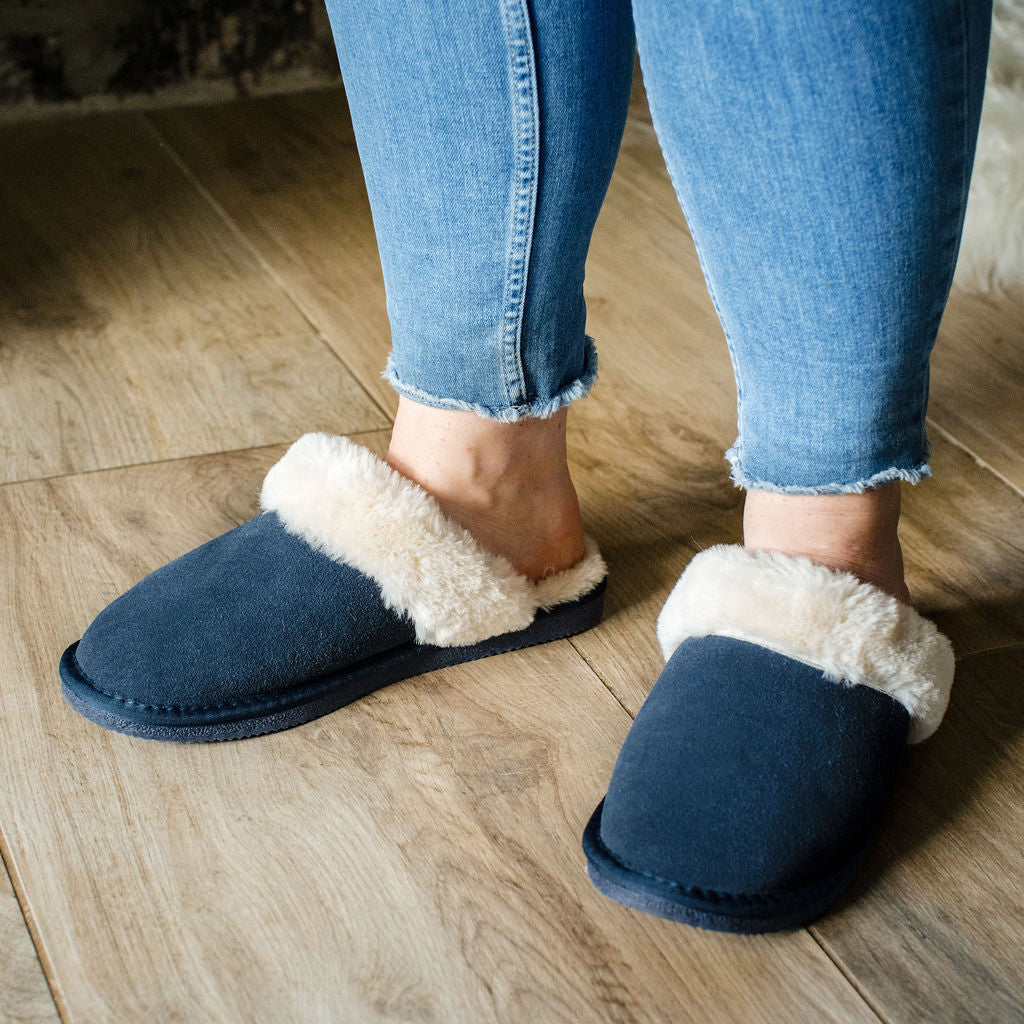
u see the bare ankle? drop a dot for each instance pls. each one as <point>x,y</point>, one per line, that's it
<point>856,533</point>
<point>507,483</point>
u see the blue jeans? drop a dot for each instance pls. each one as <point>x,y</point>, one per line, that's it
<point>821,153</point>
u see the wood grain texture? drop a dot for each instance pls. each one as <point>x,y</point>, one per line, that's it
<point>287,172</point>
<point>24,995</point>
<point>977,392</point>
<point>413,857</point>
<point>133,324</point>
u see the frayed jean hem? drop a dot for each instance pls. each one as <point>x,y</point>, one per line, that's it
<point>886,476</point>
<point>539,408</point>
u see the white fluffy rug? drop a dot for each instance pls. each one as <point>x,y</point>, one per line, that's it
<point>992,252</point>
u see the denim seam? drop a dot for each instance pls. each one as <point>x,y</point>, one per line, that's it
<point>965,156</point>
<point>539,408</point>
<point>913,475</point>
<point>526,116</point>
<point>952,242</point>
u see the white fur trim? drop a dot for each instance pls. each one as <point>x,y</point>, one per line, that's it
<point>352,506</point>
<point>854,632</point>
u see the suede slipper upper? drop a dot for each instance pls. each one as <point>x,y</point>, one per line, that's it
<point>349,579</point>
<point>745,794</point>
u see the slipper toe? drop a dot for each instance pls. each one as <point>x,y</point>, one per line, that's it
<point>748,787</point>
<point>745,786</point>
<point>242,617</point>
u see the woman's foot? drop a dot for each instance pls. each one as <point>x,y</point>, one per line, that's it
<point>852,532</point>
<point>350,579</point>
<point>753,776</point>
<point>508,484</point>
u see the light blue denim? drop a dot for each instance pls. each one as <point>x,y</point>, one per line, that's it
<point>821,153</point>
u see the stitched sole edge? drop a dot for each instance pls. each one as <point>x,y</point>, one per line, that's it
<point>331,692</point>
<point>792,909</point>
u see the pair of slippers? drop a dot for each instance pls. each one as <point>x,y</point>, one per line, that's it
<point>745,794</point>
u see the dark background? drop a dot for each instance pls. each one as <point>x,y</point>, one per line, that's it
<point>67,51</point>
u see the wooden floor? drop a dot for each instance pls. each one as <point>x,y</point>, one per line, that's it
<point>184,293</point>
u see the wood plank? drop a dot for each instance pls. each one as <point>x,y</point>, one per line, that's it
<point>24,995</point>
<point>978,379</point>
<point>414,856</point>
<point>287,172</point>
<point>135,326</point>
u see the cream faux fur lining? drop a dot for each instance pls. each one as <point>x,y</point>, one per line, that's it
<point>851,630</point>
<point>347,503</point>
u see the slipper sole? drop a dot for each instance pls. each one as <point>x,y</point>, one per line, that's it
<point>738,913</point>
<point>314,698</point>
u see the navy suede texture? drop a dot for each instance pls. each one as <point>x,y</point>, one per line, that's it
<point>256,631</point>
<point>749,773</point>
<point>246,614</point>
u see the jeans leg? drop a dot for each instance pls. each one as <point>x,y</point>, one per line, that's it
<point>822,154</point>
<point>487,132</point>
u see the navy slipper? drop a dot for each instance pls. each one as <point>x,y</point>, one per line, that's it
<point>350,578</point>
<point>747,790</point>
